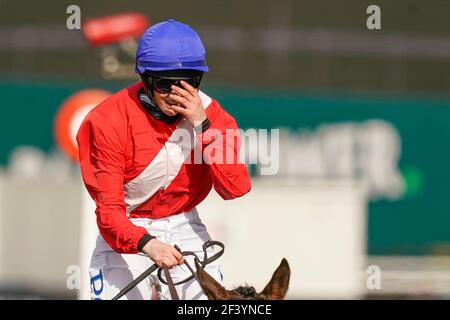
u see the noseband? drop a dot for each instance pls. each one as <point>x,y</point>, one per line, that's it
<point>168,281</point>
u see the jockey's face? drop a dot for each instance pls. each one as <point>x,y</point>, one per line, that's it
<point>164,101</point>
<point>162,83</point>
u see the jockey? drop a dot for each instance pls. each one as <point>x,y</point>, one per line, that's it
<point>149,154</point>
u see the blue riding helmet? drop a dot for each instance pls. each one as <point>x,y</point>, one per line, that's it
<point>170,45</point>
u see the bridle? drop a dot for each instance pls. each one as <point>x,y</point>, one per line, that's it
<point>168,281</point>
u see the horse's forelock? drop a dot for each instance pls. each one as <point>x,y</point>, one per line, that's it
<point>247,291</point>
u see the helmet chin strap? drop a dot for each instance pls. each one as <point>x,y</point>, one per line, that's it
<point>146,97</point>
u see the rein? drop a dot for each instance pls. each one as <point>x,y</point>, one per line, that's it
<point>168,281</point>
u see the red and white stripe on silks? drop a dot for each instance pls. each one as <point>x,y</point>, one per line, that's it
<point>163,169</point>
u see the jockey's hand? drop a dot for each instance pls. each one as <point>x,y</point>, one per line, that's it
<point>161,252</point>
<point>191,104</point>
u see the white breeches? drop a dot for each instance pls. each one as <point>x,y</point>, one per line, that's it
<point>110,272</point>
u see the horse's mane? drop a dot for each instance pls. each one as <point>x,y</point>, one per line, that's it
<point>246,292</point>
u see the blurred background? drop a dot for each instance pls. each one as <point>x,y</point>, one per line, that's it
<point>359,204</point>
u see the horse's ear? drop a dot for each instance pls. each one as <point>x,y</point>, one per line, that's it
<point>277,287</point>
<point>212,289</point>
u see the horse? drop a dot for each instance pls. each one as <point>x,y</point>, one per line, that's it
<point>276,289</point>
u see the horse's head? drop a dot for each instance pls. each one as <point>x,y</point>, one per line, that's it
<point>275,290</point>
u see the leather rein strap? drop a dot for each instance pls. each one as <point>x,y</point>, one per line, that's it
<point>172,290</point>
<point>168,281</point>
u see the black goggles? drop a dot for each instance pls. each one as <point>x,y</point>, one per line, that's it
<point>164,85</point>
